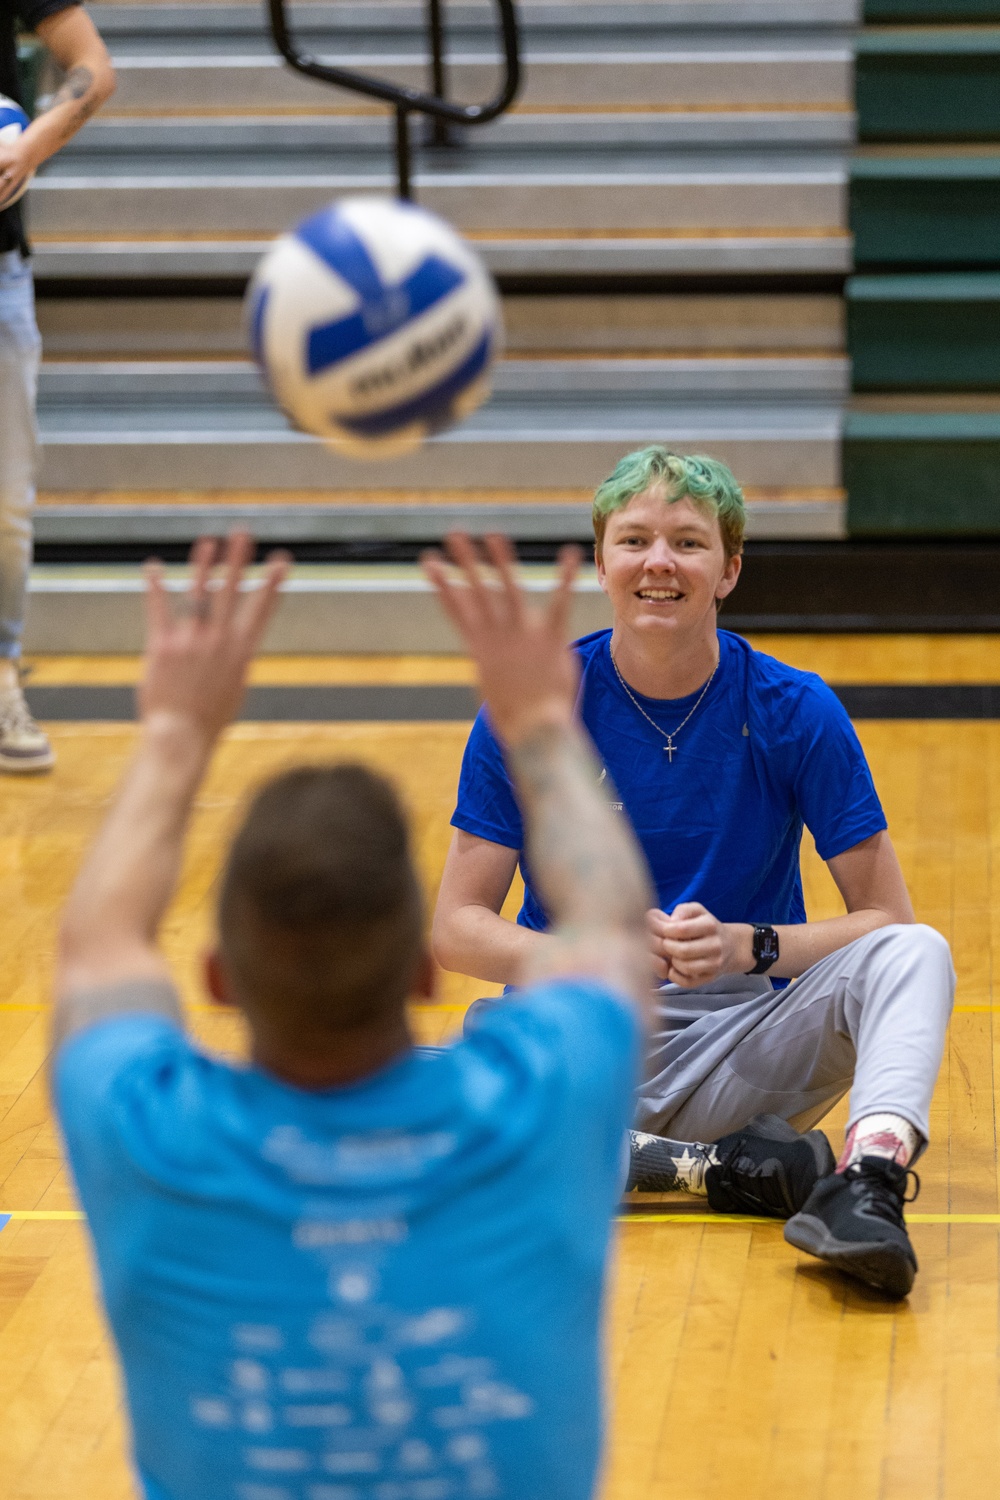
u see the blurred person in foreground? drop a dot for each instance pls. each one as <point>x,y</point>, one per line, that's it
<point>73,41</point>
<point>353,1269</point>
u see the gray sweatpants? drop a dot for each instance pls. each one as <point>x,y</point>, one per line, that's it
<point>870,1018</point>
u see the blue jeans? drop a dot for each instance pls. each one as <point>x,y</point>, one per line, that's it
<point>20,352</point>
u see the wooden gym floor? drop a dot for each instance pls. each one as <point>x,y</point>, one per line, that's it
<point>736,1367</point>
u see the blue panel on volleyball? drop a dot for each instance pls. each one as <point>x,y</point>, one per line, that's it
<point>258,309</point>
<point>433,407</point>
<point>330,237</point>
<point>382,315</point>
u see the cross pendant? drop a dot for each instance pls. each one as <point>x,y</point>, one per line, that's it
<point>668,749</point>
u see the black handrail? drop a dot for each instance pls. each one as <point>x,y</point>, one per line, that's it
<point>407,101</point>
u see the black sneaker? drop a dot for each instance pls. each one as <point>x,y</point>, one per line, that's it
<point>767,1168</point>
<point>854,1221</point>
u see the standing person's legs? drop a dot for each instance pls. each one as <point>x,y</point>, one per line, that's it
<point>23,746</point>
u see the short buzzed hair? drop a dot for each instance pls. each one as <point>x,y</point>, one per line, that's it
<point>320,909</point>
<point>707,481</point>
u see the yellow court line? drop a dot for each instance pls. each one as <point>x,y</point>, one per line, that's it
<point>429,1010</point>
<point>205,1005</point>
<point>683,1218</point>
<point>41,1213</point>
<point>74,1214</point>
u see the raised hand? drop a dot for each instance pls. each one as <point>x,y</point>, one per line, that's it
<point>528,676</point>
<point>197,655</point>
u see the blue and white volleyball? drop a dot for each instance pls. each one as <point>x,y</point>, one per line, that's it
<point>12,121</point>
<point>375,325</point>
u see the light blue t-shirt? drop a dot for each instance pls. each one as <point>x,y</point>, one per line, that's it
<point>769,748</point>
<point>386,1291</point>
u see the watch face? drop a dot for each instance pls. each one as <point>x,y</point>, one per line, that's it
<point>767,943</point>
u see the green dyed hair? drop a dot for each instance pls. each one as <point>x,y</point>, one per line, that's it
<point>707,481</point>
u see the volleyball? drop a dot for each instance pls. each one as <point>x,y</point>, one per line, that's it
<point>12,121</point>
<point>374,325</point>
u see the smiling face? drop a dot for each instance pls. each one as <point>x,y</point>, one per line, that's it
<point>663,565</point>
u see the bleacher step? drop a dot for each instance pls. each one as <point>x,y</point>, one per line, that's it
<point>564,256</point>
<point>698,74</point>
<point>332,134</point>
<point>88,526</point>
<point>550,424</point>
<point>778,324</point>
<point>609,197</point>
<point>125,19</point>
<point>344,609</point>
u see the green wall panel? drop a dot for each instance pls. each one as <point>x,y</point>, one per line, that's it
<point>924,332</point>
<point>926,210</point>
<point>30,57</point>
<point>950,12</point>
<point>928,84</point>
<point>919,474</point>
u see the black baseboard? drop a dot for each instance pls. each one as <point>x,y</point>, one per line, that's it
<point>674,283</point>
<point>447,702</point>
<point>862,586</point>
<point>906,586</point>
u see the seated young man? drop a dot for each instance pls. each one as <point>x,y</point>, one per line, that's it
<point>719,755</point>
<point>354,1269</point>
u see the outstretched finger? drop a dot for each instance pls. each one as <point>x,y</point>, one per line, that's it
<point>504,559</point>
<point>238,553</point>
<point>454,601</point>
<point>157,603</point>
<point>197,601</point>
<point>261,602</point>
<point>561,600</point>
<point>461,550</point>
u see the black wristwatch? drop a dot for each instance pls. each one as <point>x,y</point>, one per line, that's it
<point>765,948</point>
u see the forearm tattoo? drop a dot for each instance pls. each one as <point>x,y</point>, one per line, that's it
<point>76,90</point>
<point>77,82</point>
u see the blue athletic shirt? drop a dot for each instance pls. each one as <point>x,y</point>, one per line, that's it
<point>769,748</point>
<point>386,1291</point>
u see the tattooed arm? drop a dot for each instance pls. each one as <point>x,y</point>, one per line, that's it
<point>73,40</point>
<point>585,859</point>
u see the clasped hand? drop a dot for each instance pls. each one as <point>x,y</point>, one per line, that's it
<point>691,947</point>
<point>16,163</point>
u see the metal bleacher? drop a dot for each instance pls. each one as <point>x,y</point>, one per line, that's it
<point>664,207</point>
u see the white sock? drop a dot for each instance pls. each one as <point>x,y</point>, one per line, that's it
<point>885,1135</point>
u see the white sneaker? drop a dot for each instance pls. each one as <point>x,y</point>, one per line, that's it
<point>23,746</point>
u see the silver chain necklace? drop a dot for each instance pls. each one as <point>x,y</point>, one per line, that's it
<point>670,749</point>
